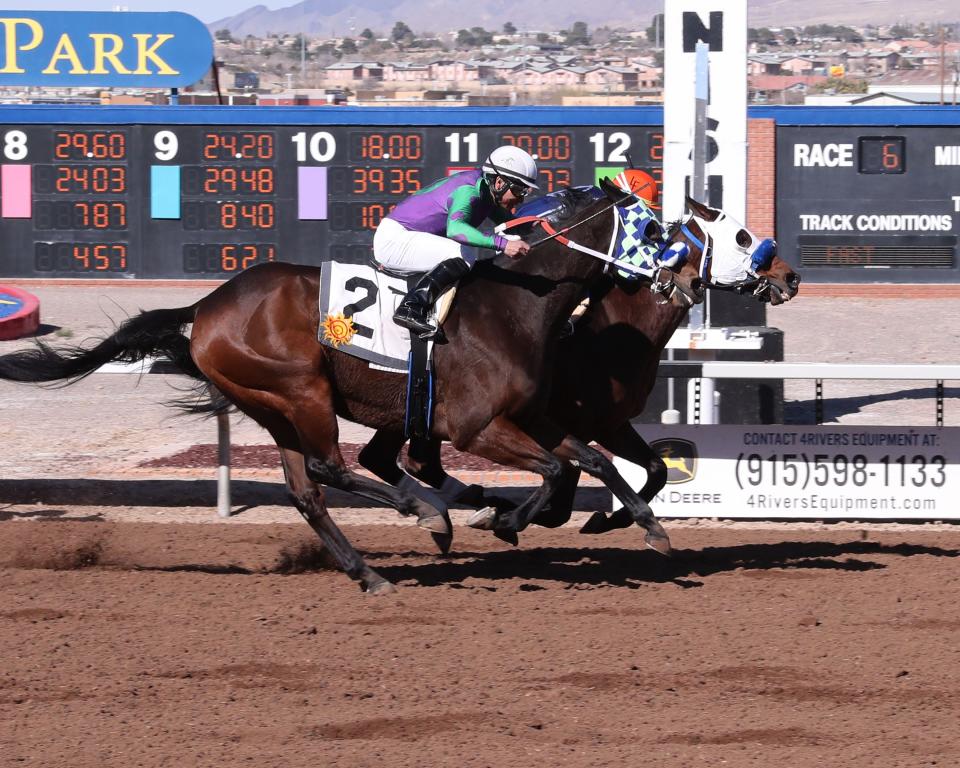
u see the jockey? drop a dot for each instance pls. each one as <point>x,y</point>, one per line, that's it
<point>432,228</point>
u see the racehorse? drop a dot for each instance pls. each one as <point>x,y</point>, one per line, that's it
<point>606,369</point>
<point>254,345</point>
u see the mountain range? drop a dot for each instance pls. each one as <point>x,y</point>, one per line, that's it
<point>334,18</point>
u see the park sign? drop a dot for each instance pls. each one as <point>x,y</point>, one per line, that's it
<point>110,50</point>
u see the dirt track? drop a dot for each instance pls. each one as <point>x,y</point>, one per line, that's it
<point>130,642</point>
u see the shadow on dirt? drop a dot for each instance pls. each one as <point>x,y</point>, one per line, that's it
<point>804,411</point>
<point>632,568</point>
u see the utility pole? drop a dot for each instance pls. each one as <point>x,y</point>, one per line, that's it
<point>943,66</point>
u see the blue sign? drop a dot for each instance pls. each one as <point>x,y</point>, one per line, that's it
<point>110,50</point>
<point>9,304</point>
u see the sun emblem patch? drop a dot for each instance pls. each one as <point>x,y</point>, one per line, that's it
<point>338,329</point>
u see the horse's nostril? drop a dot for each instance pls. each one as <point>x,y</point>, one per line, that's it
<point>793,280</point>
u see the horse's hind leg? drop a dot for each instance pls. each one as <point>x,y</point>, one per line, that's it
<point>627,444</point>
<point>380,457</point>
<point>316,425</point>
<point>307,497</point>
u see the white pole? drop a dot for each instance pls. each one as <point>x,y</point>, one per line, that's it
<point>223,465</point>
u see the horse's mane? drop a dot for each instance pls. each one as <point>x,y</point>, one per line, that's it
<point>558,208</point>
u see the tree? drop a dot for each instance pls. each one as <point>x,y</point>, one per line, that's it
<point>578,34</point>
<point>401,33</point>
<point>509,28</point>
<point>348,46</point>
<point>655,31</point>
<point>224,36</point>
<point>367,34</point>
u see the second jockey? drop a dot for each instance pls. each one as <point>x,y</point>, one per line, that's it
<point>432,229</point>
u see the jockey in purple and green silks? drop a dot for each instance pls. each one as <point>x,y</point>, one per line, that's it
<point>432,229</point>
<point>454,207</point>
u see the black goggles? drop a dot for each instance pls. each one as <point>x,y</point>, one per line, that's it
<point>519,190</point>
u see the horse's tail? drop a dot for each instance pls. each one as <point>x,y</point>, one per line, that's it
<point>158,332</point>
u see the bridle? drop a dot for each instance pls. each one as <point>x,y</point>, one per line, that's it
<point>757,285</point>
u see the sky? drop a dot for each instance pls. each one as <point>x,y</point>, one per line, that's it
<point>205,10</point>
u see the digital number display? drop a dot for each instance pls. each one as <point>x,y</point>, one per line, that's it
<point>90,145</point>
<point>215,258</point>
<point>78,179</point>
<point>80,214</point>
<point>187,200</point>
<point>388,182</point>
<point>228,215</point>
<point>882,154</point>
<point>364,216</point>
<point>227,180</point>
<point>230,146</point>
<point>544,147</point>
<point>394,147</point>
<point>80,257</point>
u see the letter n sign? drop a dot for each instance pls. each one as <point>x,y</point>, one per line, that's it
<point>694,31</point>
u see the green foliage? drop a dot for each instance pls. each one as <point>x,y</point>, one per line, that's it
<point>401,34</point>
<point>224,36</point>
<point>348,47</point>
<point>577,34</point>
<point>655,30</point>
<point>474,37</point>
<point>841,85</point>
<point>509,28</point>
<point>367,34</point>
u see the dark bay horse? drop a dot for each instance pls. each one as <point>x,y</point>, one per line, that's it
<point>254,345</point>
<point>605,370</point>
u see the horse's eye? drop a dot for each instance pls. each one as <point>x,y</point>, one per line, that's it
<point>743,239</point>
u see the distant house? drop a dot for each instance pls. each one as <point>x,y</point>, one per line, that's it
<point>781,89</point>
<point>350,71</point>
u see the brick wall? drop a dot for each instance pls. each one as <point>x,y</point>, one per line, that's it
<point>761,177</point>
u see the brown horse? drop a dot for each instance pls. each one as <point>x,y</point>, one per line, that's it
<point>254,341</point>
<point>607,368</point>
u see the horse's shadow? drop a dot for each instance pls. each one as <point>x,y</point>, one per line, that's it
<point>618,567</point>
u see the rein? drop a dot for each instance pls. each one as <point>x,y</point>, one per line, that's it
<point>605,257</point>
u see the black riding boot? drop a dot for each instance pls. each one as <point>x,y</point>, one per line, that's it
<point>414,309</point>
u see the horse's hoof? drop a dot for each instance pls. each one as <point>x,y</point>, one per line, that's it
<point>505,534</point>
<point>598,523</point>
<point>483,519</point>
<point>658,541</point>
<point>436,524</point>
<point>443,541</point>
<point>380,588</point>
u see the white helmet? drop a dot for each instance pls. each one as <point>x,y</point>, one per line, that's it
<point>512,163</point>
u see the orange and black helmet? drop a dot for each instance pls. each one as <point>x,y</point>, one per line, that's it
<point>639,183</point>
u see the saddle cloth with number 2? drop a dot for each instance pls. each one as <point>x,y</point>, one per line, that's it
<point>357,303</point>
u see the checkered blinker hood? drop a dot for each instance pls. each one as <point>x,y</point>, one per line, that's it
<point>640,240</point>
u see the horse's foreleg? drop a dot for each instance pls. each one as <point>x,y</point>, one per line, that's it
<point>558,510</point>
<point>596,464</point>
<point>307,497</point>
<point>504,442</point>
<point>627,444</point>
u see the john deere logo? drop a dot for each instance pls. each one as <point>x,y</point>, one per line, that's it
<point>680,456</point>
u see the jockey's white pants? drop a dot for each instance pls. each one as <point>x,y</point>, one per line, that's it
<point>399,248</point>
